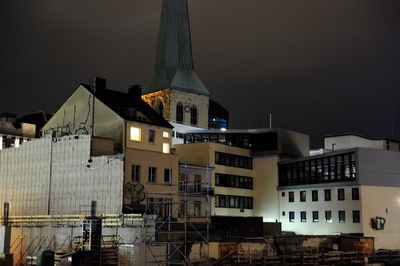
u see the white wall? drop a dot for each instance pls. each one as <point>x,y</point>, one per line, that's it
<point>46,176</point>
<point>381,202</point>
<point>321,227</point>
<point>266,196</point>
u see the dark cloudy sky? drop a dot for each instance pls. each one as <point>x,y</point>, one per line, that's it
<point>319,67</point>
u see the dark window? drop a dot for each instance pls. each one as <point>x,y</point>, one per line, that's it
<point>233,160</point>
<point>152,174</point>
<point>356,216</point>
<point>327,195</point>
<point>283,194</point>
<point>135,175</point>
<point>328,216</point>
<point>302,196</point>
<point>179,112</point>
<point>152,134</point>
<point>315,195</point>
<point>355,195</point>
<point>315,217</point>
<point>167,174</point>
<point>233,181</point>
<point>303,216</point>
<point>193,115</point>
<point>291,216</point>
<point>342,216</point>
<point>236,202</point>
<point>160,108</point>
<point>340,194</point>
<point>291,196</point>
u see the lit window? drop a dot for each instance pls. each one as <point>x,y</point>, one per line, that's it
<point>166,147</point>
<point>135,134</point>
<point>165,134</point>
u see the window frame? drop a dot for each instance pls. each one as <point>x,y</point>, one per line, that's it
<point>135,173</point>
<point>152,174</point>
<point>303,196</point>
<point>291,196</point>
<point>356,216</point>
<point>303,216</point>
<point>291,217</point>
<point>341,194</point>
<point>314,195</point>
<point>355,193</point>
<point>328,216</point>
<point>327,195</point>
<point>342,216</point>
<point>315,216</point>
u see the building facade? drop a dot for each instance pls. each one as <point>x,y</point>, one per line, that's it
<point>350,191</point>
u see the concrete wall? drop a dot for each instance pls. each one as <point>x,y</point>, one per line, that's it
<point>266,196</point>
<point>321,227</point>
<point>378,167</point>
<point>354,141</point>
<point>382,205</point>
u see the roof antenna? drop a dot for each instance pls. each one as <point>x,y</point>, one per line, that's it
<point>270,121</point>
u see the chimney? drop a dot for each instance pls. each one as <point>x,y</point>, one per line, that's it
<point>135,92</point>
<point>97,84</point>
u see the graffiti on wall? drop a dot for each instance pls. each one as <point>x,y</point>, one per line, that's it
<point>377,223</point>
<point>135,192</point>
<point>227,248</point>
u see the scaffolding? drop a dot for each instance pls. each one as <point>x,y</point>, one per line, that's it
<point>179,212</point>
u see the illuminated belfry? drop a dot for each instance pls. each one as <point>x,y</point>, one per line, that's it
<point>174,89</point>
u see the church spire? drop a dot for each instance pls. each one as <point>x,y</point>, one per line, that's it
<point>174,63</point>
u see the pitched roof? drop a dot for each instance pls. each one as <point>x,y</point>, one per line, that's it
<point>126,105</point>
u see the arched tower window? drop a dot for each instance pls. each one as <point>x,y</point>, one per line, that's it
<point>193,115</point>
<point>179,112</point>
<point>160,108</point>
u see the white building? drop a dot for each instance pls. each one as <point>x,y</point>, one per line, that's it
<point>350,191</point>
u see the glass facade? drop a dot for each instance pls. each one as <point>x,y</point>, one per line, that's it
<point>337,168</point>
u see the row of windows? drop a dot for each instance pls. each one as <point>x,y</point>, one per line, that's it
<point>136,135</point>
<point>151,174</point>
<point>355,195</point>
<point>179,113</point>
<point>341,218</point>
<point>321,170</point>
<point>233,181</point>
<point>233,160</point>
<point>236,202</point>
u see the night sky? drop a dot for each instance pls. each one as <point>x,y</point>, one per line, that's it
<point>319,67</point>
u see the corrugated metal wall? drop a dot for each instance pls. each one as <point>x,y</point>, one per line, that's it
<point>58,176</point>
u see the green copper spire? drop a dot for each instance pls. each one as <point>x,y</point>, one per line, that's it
<point>174,63</point>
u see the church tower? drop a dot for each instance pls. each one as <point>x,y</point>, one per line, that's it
<point>174,90</point>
